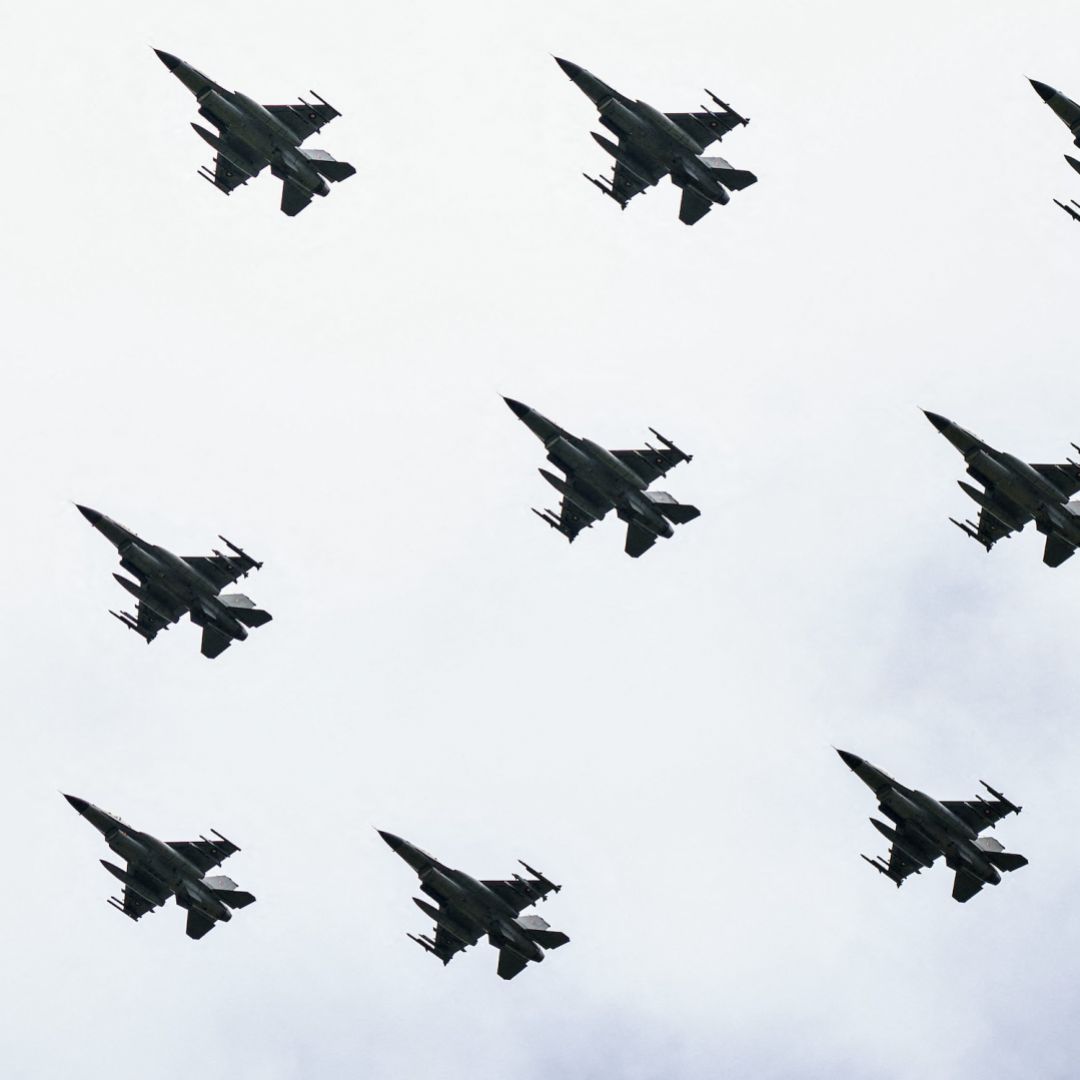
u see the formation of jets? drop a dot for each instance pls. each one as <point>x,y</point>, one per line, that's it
<point>592,481</point>
<point>1069,113</point>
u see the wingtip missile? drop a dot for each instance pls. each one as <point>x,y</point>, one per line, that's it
<point>224,840</point>
<point>605,188</point>
<point>882,868</point>
<point>970,528</point>
<point>421,941</point>
<point>671,446</point>
<point>540,877</point>
<point>131,623</point>
<point>239,551</point>
<point>744,120</point>
<point>208,176</point>
<point>114,902</point>
<point>322,101</point>
<point>549,517</point>
<point>1001,798</point>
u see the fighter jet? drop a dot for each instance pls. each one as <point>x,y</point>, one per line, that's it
<point>653,145</point>
<point>251,136</point>
<point>924,829</point>
<point>1016,493</point>
<point>156,870</point>
<point>467,909</point>
<point>169,586</point>
<point>599,480</point>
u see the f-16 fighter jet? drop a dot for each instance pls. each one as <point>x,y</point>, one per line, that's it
<point>169,586</point>
<point>653,145</point>
<point>924,829</point>
<point>156,870</point>
<point>251,136</point>
<point>599,480</point>
<point>1016,493</point>
<point>465,909</point>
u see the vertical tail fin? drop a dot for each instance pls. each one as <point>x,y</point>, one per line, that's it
<point>214,642</point>
<point>510,963</point>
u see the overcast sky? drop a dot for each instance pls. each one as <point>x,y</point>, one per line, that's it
<point>653,734</point>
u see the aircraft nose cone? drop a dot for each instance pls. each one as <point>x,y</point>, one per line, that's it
<point>1044,91</point>
<point>395,842</point>
<point>940,422</point>
<point>852,761</point>
<point>93,516</point>
<point>79,804</point>
<point>1073,162</point>
<point>519,410</point>
<point>170,61</point>
<point>571,69</point>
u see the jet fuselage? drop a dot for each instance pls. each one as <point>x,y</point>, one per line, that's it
<point>251,124</point>
<point>175,576</point>
<point>926,816</point>
<point>156,859</point>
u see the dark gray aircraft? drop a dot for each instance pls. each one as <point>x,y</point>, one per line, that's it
<point>156,870</point>
<point>1016,493</point>
<point>1069,113</point>
<point>251,136</point>
<point>467,909</point>
<point>924,829</point>
<point>653,145</point>
<point>599,480</point>
<point>169,586</point>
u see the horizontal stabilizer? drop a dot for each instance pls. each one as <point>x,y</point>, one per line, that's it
<point>510,963</point>
<point>1057,550</point>
<point>236,600</point>
<point>253,616</point>
<point>219,883</point>
<point>529,923</point>
<point>235,898</point>
<point>733,179</point>
<point>198,924</point>
<point>324,163</point>
<point>214,642</point>
<point>244,610</point>
<point>1006,860</point>
<point>671,508</point>
<point>694,206</point>
<point>965,886</point>
<point>549,939</point>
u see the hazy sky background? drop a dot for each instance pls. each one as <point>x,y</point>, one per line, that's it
<point>653,734</point>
